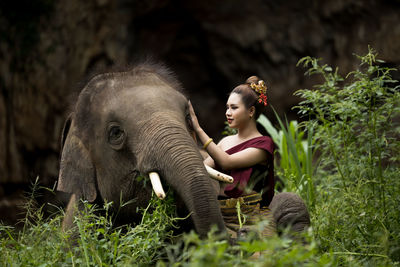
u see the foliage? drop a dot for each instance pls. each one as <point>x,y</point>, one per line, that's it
<point>356,127</point>
<point>295,154</point>
<point>190,250</point>
<point>228,130</point>
<point>99,243</point>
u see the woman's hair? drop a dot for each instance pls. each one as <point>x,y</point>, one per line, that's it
<point>249,96</point>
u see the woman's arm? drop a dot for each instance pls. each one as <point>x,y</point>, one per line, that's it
<point>209,162</point>
<point>245,158</point>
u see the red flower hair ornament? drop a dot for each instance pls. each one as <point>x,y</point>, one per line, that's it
<point>261,90</point>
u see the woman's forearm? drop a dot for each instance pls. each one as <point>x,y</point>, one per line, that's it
<point>203,136</point>
<point>219,156</point>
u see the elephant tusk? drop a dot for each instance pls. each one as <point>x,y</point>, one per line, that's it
<point>219,175</point>
<point>156,184</point>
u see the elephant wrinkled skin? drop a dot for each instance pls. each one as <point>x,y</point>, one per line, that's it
<point>126,124</point>
<point>289,210</point>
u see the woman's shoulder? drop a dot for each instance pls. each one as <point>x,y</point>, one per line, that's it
<point>263,142</point>
<point>262,138</point>
<point>227,142</point>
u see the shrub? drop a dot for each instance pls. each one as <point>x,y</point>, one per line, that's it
<point>356,127</point>
<point>294,153</point>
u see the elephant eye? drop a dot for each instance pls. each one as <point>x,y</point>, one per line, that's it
<point>116,136</point>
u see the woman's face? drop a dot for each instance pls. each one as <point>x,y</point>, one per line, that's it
<point>237,114</point>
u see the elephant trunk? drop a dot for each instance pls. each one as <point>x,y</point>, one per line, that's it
<point>170,151</point>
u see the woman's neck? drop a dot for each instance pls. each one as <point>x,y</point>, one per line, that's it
<point>248,132</point>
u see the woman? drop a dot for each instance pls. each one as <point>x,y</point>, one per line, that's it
<point>245,154</point>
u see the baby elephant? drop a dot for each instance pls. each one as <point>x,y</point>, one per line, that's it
<point>127,126</point>
<point>289,210</point>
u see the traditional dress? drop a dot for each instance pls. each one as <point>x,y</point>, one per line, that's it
<point>258,178</point>
<point>266,171</point>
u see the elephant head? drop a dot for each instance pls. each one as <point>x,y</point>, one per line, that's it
<point>126,124</point>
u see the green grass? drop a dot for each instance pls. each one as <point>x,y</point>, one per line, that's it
<point>42,243</point>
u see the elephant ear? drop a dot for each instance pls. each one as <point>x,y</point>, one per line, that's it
<point>67,126</point>
<point>77,174</point>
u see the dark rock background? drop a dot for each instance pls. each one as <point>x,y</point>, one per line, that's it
<point>48,47</point>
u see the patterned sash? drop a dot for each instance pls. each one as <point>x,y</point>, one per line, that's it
<point>251,214</point>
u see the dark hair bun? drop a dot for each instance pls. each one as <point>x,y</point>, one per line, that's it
<point>249,96</point>
<point>252,79</point>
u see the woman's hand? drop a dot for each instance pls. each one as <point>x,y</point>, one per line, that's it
<point>193,117</point>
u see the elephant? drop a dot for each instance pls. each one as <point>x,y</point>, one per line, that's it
<point>290,211</point>
<point>130,124</point>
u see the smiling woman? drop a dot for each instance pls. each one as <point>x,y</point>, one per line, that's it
<point>247,156</point>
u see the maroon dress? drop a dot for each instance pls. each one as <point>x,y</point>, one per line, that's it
<point>242,176</point>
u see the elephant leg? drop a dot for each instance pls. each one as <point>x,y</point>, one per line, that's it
<point>290,211</point>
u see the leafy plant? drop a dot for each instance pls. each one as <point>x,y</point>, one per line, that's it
<point>358,137</point>
<point>228,130</point>
<point>99,243</point>
<point>190,250</point>
<point>295,155</point>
